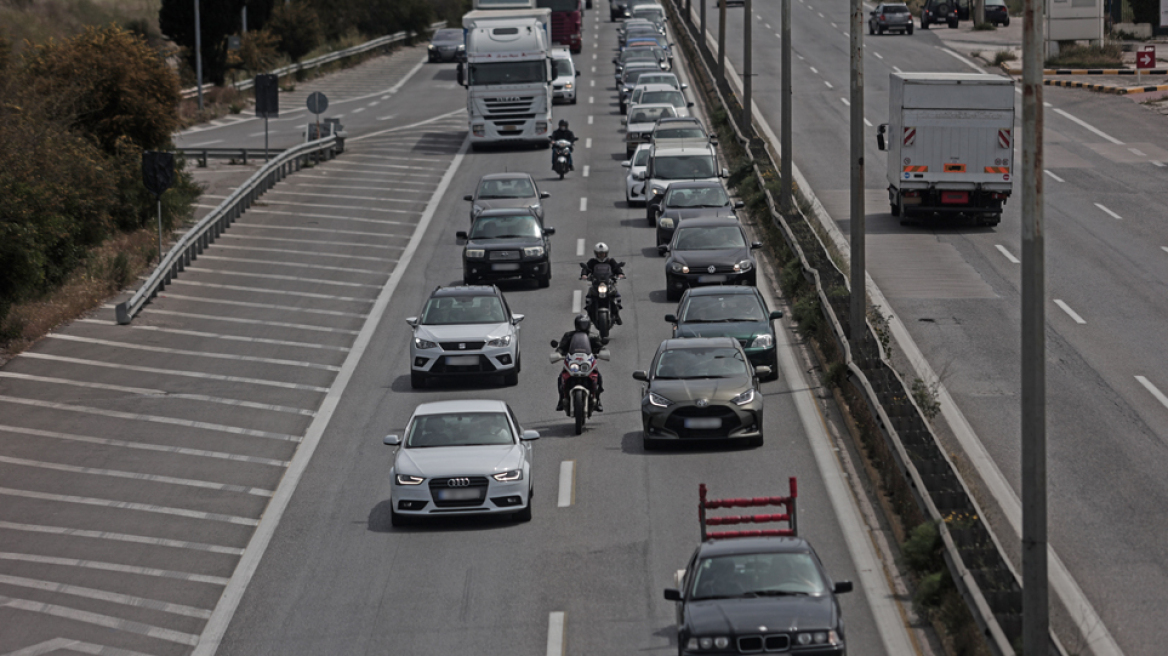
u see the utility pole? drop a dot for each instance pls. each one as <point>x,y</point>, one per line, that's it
<point>1035,582</point>
<point>859,288</point>
<point>702,36</point>
<point>243,19</point>
<point>689,12</point>
<point>721,41</point>
<point>785,168</point>
<point>747,68</point>
<point>198,55</point>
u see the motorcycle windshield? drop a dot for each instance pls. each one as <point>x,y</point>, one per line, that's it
<point>580,344</point>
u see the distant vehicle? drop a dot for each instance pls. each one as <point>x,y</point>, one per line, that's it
<point>617,9</point>
<point>447,45</point>
<point>730,311</point>
<point>701,388</point>
<point>640,121</point>
<point>997,13</point>
<point>630,77</point>
<point>939,11</point>
<point>649,53</point>
<point>664,94</point>
<point>462,457</point>
<point>671,163</point>
<point>567,22</point>
<point>681,128</point>
<point>709,252</point>
<point>634,184</point>
<point>890,18</point>
<point>506,244</point>
<point>506,191</point>
<point>564,76</point>
<point>687,200</point>
<point>665,78</point>
<point>654,13</point>
<point>465,331</point>
<point>950,143</point>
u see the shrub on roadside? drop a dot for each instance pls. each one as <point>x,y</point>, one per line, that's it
<point>297,28</point>
<point>1003,56</point>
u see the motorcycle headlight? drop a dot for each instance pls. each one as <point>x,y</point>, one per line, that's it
<point>743,265</point>
<point>602,289</point>
<point>678,267</point>
<point>500,341</point>
<point>533,251</point>
<point>665,222</point>
<point>659,401</point>
<point>743,398</point>
<point>403,479</point>
<point>574,368</point>
<point>424,343</point>
<point>508,476</point>
<point>762,341</point>
<point>475,253</point>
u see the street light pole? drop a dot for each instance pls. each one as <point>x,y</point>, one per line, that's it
<point>785,107</point>
<point>721,41</point>
<point>702,36</point>
<point>198,55</point>
<point>747,69</point>
<point>859,288</point>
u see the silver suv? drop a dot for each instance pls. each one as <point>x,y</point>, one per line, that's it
<point>465,331</point>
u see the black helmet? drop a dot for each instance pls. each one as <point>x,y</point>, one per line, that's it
<point>582,323</point>
<point>563,124</point>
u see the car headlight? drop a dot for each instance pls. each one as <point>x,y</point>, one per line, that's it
<point>568,85</point>
<point>744,265</point>
<point>403,479</point>
<point>743,398</point>
<point>665,222</point>
<point>677,267</point>
<point>659,401</point>
<point>721,642</point>
<point>431,46</point>
<point>475,253</point>
<point>533,251</point>
<point>500,341</point>
<point>762,341</point>
<point>508,476</point>
<point>817,638</point>
<point>657,191</point>
<point>424,343</point>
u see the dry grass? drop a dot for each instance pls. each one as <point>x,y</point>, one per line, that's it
<point>39,20</point>
<point>1077,56</point>
<point>110,267</point>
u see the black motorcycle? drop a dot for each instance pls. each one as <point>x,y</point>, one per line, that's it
<point>561,155</point>
<point>601,302</point>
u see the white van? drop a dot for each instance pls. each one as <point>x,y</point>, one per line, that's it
<point>564,75</point>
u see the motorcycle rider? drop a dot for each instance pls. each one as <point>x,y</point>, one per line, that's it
<point>564,133</point>
<point>580,340</point>
<point>600,256</point>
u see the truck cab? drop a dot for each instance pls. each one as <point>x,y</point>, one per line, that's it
<point>508,79</point>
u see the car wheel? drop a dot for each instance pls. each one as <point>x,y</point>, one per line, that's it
<point>511,378</point>
<point>870,30</point>
<point>398,520</point>
<point>880,30</point>
<point>952,24</point>
<point>518,362</point>
<point>545,281</point>
<point>647,444</point>
<point>924,24</point>
<point>417,380</point>
<point>909,30</point>
<point>1006,23</point>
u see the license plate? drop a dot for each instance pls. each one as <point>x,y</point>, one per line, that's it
<point>510,127</point>
<point>704,423</point>
<point>705,279</point>
<point>504,267</point>
<point>459,495</point>
<point>462,360</point>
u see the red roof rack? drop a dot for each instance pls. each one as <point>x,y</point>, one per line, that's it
<point>710,504</point>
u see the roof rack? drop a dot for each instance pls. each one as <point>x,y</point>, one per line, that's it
<point>711,504</point>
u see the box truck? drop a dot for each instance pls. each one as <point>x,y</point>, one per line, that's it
<point>950,144</point>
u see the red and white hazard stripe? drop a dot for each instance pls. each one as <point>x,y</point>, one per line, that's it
<point>1005,138</point>
<point>910,136</point>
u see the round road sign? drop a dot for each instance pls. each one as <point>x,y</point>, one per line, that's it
<point>317,102</point>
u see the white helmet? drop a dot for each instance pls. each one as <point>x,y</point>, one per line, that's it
<point>601,251</point>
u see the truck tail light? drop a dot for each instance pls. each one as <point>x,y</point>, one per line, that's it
<point>999,196</point>
<point>911,194</point>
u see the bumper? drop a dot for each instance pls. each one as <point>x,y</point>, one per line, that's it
<point>674,423</point>
<point>523,130</point>
<point>683,281</point>
<point>444,55</point>
<point>418,500</point>
<point>564,94</point>
<point>484,270</point>
<point>630,194</point>
<point>437,362</point>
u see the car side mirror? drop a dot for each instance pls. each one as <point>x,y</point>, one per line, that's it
<point>639,175</point>
<point>549,231</point>
<point>469,198</point>
<point>776,314</point>
<point>684,86</point>
<point>391,440</point>
<point>671,318</point>
<point>529,435</point>
<point>762,371</point>
<point>461,234</point>
<point>662,249</point>
<point>841,587</point>
<point>555,344</point>
<point>642,376</point>
<point>627,163</point>
<point>413,321</point>
<point>545,194</point>
<point>880,136</point>
<point>604,354</point>
<point>672,594</point>
<point>725,173</point>
<point>577,73</point>
<point>516,318</point>
<point>755,245</point>
<point>689,104</point>
<point>461,74</point>
<point>739,204</point>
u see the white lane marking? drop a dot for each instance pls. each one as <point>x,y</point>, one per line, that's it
<point>1136,151</point>
<point>588,142</point>
<point>119,537</point>
<point>768,26</point>
<point>374,103</point>
<point>589,119</point>
<point>430,170</point>
<point>828,84</point>
<point>594,55</point>
<point>1087,125</point>
<point>1164,248</point>
<point>1046,104</point>
<point>428,183</point>
<point>270,306</point>
<point>834,25</point>
<point>867,122</point>
<point>1008,254</point>
<point>143,446</point>
<point>113,567</point>
<point>1160,164</point>
<point>587,170</point>
<point>358,110</point>
<point>103,595</point>
<point>878,55</point>
<point>577,301</point>
<point>299,265</point>
<point>245,569</point>
<point>591,83</point>
<point>276,276</point>
<point>821,14</point>
<point>593,69</point>
<point>1155,391</point>
<point>206,143</point>
<point>173,372</point>
<point>255,322</point>
<point>157,393</point>
<point>335,217</point>
<point>86,617</point>
<point>1108,212</point>
<point>579,248</point>
<point>203,354</point>
<point>117,414</point>
<point>963,60</point>
<point>408,127</point>
<point>1066,308</point>
<point>361,187</point>
<point>1052,175</point>
<point>584,204</point>
<point>127,505</point>
<point>814,70</point>
<point>113,473</point>
<point>846,102</point>
<point>376,154</point>
<point>555,640</point>
<point>897,69</point>
<point>390,210</point>
<point>56,644</point>
<point>567,483</point>
<point>264,290</point>
<point>778,36</point>
<point>233,338</point>
<point>591,99</point>
<point>801,57</point>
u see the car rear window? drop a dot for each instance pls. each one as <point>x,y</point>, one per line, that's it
<point>896,9</point>
<point>679,133</point>
<point>684,167</point>
<point>649,114</point>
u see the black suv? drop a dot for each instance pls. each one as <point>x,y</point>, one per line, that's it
<point>506,244</point>
<point>940,11</point>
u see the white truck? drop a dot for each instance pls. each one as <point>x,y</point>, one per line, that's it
<point>508,76</point>
<point>950,143</point>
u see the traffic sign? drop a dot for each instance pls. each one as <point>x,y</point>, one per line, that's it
<point>317,102</point>
<point>1146,57</point>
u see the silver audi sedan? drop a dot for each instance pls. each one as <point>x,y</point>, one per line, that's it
<point>461,458</point>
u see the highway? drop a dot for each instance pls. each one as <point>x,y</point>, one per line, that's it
<point>211,479</point>
<point>957,291</point>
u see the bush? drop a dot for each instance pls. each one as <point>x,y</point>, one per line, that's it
<point>1077,56</point>
<point>1003,56</point>
<point>297,28</point>
<point>922,550</point>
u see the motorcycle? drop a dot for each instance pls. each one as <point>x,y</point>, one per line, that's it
<point>600,304</point>
<point>580,380</point>
<point>561,155</point>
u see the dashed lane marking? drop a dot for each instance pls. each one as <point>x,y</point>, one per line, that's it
<point>555,639</point>
<point>577,301</point>
<point>829,86</point>
<point>1008,254</point>
<point>144,446</point>
<point>1053,176</point>
<point>199,354</point>
<point>584,204</point>
<point>588,142</point>
<point>579,248</point>
<point>1107,211</point>
<point>567,483</point>
<point>587,169</point>
<point>1155,391</point>
<point>1066,308</point>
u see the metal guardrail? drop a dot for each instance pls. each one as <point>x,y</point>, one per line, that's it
<point>201,155</point>
<point>191,244</point>
<point>316,62</point>
<point>975,558</point>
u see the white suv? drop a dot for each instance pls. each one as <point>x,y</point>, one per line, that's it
<point>564,81</point>
<point>465,331</point>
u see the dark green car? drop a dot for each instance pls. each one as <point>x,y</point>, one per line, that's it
<point>730,311</point>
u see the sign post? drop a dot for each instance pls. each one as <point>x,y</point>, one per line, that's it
<point>1145,59</point>
<point>158,176</point>
<point>317,104</point>
<point>267,94</point>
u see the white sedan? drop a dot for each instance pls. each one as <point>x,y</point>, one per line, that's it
<point>636,166</point>
<point>461,458</point>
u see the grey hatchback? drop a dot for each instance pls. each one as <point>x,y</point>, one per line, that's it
<point>890,18</point>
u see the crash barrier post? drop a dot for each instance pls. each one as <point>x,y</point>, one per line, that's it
<point>751,502</point>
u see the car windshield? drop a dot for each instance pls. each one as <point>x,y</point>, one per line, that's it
<point>639,54</point>
<point>563,67</point>
<point>658,78</point>
<point>679,133</point>
<point>757,575</point>
<point>649,114</point>
<point>709,238</point>
<point>697,197</point>
<point>506,188</point>
<point>460,429</point>
<point>506,73</point>
<point>673,97</point>
<point>706,362</point>
<point>460,310</point>
<point>895,9</point>
<point>652,13</point>
<point>641,157</point>
<point>448,36</point>
<point>633,75</point>
<point>684,167</point>
<point>505,227</point>
<point>715,309</point>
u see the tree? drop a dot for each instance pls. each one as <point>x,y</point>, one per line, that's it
<point>298,28</point>
<point>218,19</point>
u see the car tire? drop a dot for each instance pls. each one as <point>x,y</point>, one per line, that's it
<point>909,30</point>
<point>398,520</point>
<point>952,24</point>
<point>1006,23</point>
<point>880,30</point>
<point>573,100</point>
<point>525,514</point>
<point>417,380</point>
<point>924,24</point>
<point>870,30</point>
<point>671,295</point>
<point>544,281</point>
<point>647,444</point>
